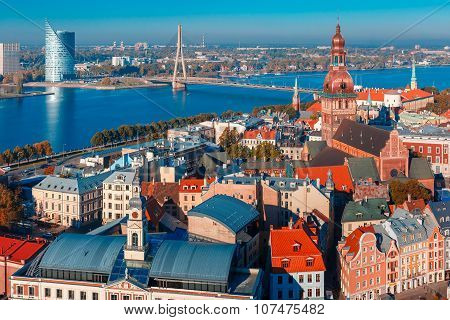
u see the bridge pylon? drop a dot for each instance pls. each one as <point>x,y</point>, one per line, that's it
<point>177,83</point>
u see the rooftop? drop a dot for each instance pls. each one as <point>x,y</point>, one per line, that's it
<point>19,250</point>
<point>232,213</point>
<point>81,252</point>
<point>366,210</point>
<point>296,247</point>
<point>196,261</point>
<point>73,186</point>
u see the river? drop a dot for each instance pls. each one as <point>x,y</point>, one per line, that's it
<point>70,117</point>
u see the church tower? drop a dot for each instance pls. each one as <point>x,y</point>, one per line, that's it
<point>136,246</point>
<point>338,98</point>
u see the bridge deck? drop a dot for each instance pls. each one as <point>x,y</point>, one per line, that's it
<point>225,83</point>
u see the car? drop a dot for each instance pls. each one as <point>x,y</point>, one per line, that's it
<point>6,169</point>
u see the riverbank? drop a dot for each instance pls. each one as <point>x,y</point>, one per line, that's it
<point>25,95</point>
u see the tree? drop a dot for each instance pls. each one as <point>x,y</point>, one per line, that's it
<point>30,151</point>
<point>399,191</point>
<point>8,156</point>
<point>98,139</point>
<point>11,208</point>
<point>228,138</point>
<point>18,153</point>
<point>18,82</point>
<point>106,81</point>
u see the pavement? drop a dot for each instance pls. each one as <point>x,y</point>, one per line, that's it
<point>432,291</point>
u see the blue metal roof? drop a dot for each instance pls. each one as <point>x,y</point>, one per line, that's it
<point>196,261</point>
<point>232,213</point>
<point>81,252</point>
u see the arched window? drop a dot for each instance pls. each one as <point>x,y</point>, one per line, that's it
<point>134,239</point>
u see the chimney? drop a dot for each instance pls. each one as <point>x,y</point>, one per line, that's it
<point>318,182</point>
<point>409,197</point>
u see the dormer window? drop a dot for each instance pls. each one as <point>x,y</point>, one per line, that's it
<point>185,187</point>
<point>310,262</point>
<point>296,247</point>
<point>285,263</point>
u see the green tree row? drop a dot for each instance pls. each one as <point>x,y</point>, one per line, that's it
<point>27,152</point>
<point>150,131</point>
<point>11,208</point>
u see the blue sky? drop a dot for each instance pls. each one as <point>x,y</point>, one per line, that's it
<point>295,22</point>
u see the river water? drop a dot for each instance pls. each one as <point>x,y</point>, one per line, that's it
<point>70,117</point>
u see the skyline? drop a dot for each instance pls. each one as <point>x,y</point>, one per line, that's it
<point>286,23</point>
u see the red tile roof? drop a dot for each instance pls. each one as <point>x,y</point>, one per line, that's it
<point>315,107</point>
<point>193,185</point>
<point>266,134</point>
<point>341,176</point>
<point>415,94</point>
<point>282,243</point>
<point>375,95</point>
<point>352,241</point>
<point>161,191</point>
<point>18,250</point>
<point>414,204</point>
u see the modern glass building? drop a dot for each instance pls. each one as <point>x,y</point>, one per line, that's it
<point>59,54</point>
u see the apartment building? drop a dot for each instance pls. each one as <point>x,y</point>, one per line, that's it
<point>71,202</point>
<point>118,189</point>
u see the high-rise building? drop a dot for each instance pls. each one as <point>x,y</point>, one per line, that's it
<point>338,97</point>
<point>9,58</point>
<point>59,54</point>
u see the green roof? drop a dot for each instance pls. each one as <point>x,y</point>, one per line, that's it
<point>81,252</point>
<point>195,261</point>
<point>420,169</point>
<point>228,211</point>
<point>363,168</point>
<point>366,210</point>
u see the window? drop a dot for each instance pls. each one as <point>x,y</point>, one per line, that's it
<point>134,239</point>
<point>309,262</point>
<point>420,149</point>
<point>82,295</point>
<point>310,293</point>
<point>280,294</point>
<point>31,291</point>
<point>318,292</point>
<point>94,296</point>
<point>71,295</point>
<point>309,278</point>
<point>291,294</point>
<point>126,297</point>
<point>285,263</point>
<point>300,278</point>
<point>47,293</point>
<point>59,293</point>
<point>280,279</point>
<point>114,297</point>
<point>429,150</point>
<point>318,277</point>
<point>20,290</point>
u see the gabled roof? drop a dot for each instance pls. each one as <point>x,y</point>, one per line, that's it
<point>231,212</point>
<point>19,250</point>
<point>283,242</point>
<point>441,211</point>
<point>366,210</point>
<point>73,185</point>
<point>352,241</point>
<point>375,95</point>
<point>329,157</point>
<point>420,169</point>
<point>415,94</point>
<point>341,176</point>
<point>363,168</point>
<point>161,191</point>
<point>315,107</point>
<point>81,252</point>
<point>193,185</point>
<point>266,134</point>
<point>196,261</point>
<point>362,137</point>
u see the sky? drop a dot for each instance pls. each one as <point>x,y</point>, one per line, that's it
<point>294,22</point>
